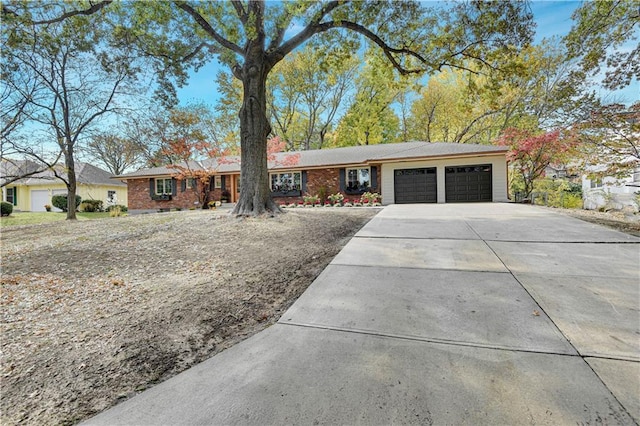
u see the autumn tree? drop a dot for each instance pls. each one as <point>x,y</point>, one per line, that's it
<point>194,162</point>
<point>532,152</point>
<point>370,119</point>
<point>78,79</point>
<point>611,140</point>
<point>306,91</point>
<point>251,37</point>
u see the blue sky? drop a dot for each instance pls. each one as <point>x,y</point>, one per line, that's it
<point>553,17</point>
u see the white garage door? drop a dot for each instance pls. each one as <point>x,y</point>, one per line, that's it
<point>41,197</point>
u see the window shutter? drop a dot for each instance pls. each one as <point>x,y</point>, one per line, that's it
<point>212,183</point>
<point>183,185</point>
<point>173,186</point>
<point>15,195</point>
<point>223,185</point>
<point>343,179</point>
<point>152,187</point>
<point>374,177</point>
<point>304,181</point>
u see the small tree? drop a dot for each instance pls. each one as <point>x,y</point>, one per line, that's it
<point>188,167</point>
<point>531,153</point>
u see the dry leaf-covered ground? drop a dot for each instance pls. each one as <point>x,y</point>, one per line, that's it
<point>93,312</point>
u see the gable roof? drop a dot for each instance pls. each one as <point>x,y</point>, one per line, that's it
<point>337,157</point>
<point>86,173</point>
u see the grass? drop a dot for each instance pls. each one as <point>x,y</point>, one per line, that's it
<point>36,218</point>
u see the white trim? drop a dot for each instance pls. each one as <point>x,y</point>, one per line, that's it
<point>163,186</point>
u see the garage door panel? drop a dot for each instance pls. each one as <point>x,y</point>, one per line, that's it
<point>415,185</point>
<point>468,183</point>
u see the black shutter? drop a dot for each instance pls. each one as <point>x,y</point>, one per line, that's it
<point>173,186</point>
<point>15,195</point>
<point>374,177</point>
<point>223,182</point>
<point>183,185</point>
<point>212,182</point>
<point>343,179</point>
<point>304,181</point>
<point>152,187</point>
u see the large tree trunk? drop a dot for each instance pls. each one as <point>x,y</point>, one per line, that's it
<point>255,192</point>
<point>71,185</point>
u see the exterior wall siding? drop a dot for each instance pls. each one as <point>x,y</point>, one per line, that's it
<point>95,192</point>
<point>498,167</point>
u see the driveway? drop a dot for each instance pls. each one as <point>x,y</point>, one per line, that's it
<point>437,314</point>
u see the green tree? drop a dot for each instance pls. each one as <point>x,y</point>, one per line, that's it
<point>306,92</point>
<point>370,118</point>
<point>251,37</point>
<point>539,92</point>
<point>602,34</point>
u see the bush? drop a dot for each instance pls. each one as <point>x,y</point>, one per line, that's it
<point>116,211</point>
<point>6,208</point>
<point>91,206</point>
<point>120,207</point>
<point>558,193</point>
<point>60,202</point>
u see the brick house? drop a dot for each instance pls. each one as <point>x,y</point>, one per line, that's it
<point>411,172</point>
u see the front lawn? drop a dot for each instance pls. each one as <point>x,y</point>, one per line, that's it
<point>37,218</point>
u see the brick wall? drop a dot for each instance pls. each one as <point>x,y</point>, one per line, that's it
<point>318,180</point>
<point>140,199</point>
<point>329,179</point>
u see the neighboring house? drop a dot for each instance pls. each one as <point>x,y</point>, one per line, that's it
<point>33,192</point>
<point>411,172</point>
<point>612,193</point>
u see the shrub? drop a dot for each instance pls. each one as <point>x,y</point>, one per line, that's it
<point>311,199</point>
<point>336,198</point>
<point>115,211</point>
<point>6,208</point>
<point>558,193</point>
<point>120,207</point>
<point>60,201</point>
<point>91,206</point>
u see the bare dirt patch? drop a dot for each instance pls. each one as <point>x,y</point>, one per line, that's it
<point>93,312</point>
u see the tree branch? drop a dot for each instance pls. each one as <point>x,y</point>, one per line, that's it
<point>204,24</point>
<point>313,29</point>
<point>242,14</point>
<point>90,11</point>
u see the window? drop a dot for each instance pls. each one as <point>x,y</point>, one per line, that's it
<point>111,197</point>
<point>11,196</point>
<point>163,187</point>
<point>289,183</point>
<point>636,175</point>
<point>358,179</point>
<point>596,183</point>
<point>217,183</point>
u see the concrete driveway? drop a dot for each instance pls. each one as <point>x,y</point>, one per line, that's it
<point>436,314</point>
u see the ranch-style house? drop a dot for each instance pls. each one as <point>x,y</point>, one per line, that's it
<point>411,172</point>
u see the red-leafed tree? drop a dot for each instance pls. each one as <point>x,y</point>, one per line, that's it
<point>531,153</point>
<point>191,166</point>
<point>276,145</point>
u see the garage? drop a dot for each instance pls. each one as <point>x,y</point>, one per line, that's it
<point>41,197</point>
<point>464,184</point>
<point>38,199</point>
<point>415,185</point>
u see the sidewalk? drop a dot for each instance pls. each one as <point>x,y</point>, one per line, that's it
<point>436,314</point>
